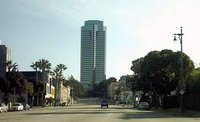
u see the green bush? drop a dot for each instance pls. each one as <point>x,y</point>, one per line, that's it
<point>63,104</point>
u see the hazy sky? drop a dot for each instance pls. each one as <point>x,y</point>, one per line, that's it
<point>50,29</point>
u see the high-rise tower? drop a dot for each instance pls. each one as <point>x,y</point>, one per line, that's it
<point>93,53</point>
<point>5,55</point>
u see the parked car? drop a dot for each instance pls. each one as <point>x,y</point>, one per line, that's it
<point>104,103</point>
<point>143,105</point>
<point>17,107</point>
<point>26,106</point>
<point>3,108</point>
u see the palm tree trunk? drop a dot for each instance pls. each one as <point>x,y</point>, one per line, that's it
<point>56,92</point>
<point>37,101</point>
<point>44,88</point>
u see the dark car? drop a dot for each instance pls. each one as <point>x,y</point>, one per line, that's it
<point>104,103</point>
<point>26,106</point>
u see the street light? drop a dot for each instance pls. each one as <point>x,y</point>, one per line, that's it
<point>181,82</point>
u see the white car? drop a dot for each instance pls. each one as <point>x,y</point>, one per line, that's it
<point>3,108</point>
<point>17,107</point>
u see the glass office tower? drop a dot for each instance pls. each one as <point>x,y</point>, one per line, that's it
<point>93,53</point>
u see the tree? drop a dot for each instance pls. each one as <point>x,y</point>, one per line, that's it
<point>37,88</point>
<point>100,89</point>
<point>17,84</point>
<point>4,84</point>
<point>58,74</point>
<point>78,90</point>
<point>136,66</point>
<point>45,66</point>
<point>29,88</point>
<point>50,100</point>
<point>12,67</point>
<point>14,83</point>
<point>4,87</point>
<point>36,65</point>
<point>160,71</point>
<point>111,80</point>
<point>59,70</point>
<point>192,95</point>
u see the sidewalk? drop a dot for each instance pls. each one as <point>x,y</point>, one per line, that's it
<point>186,113</point>
<point>47,107</point>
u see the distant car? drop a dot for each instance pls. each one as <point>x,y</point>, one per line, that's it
<point>17,107</point>
<point>104,103</point>
<point>26,106</point>
<point>122,103</point>
<point>3,108</point>
<point>143,105</point>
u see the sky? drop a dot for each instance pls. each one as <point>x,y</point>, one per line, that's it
<point>50,29</point>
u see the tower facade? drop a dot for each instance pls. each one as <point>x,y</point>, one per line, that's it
<point>93,53</point>
<point>5,55</point>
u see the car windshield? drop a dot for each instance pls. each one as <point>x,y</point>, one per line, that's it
<point>16,104</point>
<point>144,103</point>
<point>104,101</point>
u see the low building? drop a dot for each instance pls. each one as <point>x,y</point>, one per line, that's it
<point>50,91</point>
<point>112,91</point>
<point>40,93</point>
<point>62,95</point>
<point>126,94</point>
<point>50,94</point>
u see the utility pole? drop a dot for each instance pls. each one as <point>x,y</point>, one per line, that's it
<point>14,92</point>
<point>72,99</point>
<point>181,82</point>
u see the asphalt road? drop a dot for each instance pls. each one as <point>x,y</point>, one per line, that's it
<point>87,112</point>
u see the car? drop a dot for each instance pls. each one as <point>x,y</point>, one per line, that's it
<point>3,108</point>
<point>17,107</point>
<point>122,103</point>
<point>143,105</point>
<point>26,106</point>
<point>104,103</point>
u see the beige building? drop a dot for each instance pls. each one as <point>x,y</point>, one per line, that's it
<point>112,88</point>
<point>126,95</point>
<point>62,94</point>
<point>65,94</point>
<point>50,91</point>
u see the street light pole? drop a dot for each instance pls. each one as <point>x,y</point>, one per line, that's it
<point>181,82</point>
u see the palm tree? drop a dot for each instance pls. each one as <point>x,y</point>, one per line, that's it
<point>58,73</point>
<point>59,70</point>
<point>35,66</point>
<point>44,66</point>
<point>17,82</point>
<point>11,66</point>
<point>11,76</point>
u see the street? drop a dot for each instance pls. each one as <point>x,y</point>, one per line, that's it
<point>82,112</point>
